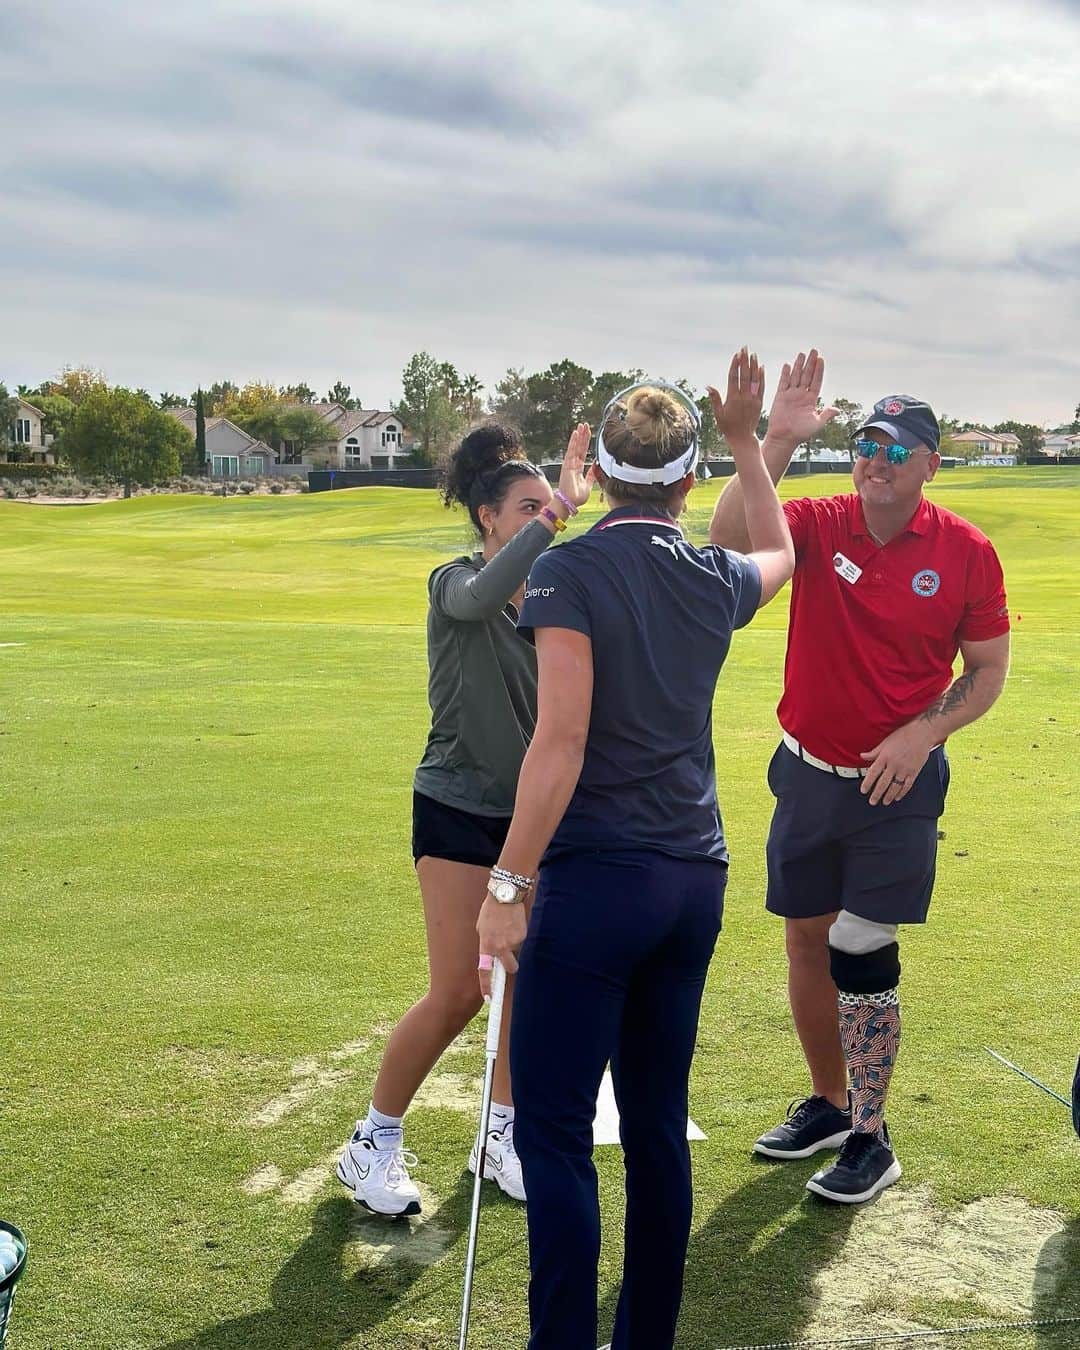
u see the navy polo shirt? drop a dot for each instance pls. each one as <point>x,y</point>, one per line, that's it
<point>660,613</point>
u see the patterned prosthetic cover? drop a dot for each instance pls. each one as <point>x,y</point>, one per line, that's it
<point>870,1034</point>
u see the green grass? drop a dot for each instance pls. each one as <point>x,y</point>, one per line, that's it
<point>207,737</point>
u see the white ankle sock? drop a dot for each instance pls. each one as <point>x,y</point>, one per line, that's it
<point>501,1116</point>
<point>378,1120</point>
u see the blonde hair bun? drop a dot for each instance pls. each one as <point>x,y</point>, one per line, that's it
<point>655,417</point>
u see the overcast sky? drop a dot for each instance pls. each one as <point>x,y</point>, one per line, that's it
<point>284,191</point>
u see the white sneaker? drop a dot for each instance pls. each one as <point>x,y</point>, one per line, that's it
<point>374,1167</point>
<point>501,1163</point>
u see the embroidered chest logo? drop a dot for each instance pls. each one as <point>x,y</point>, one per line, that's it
<point>666,543</point>
<point>926,583</point>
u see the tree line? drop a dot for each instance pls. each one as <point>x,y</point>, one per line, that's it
<point>127,434</point>
<point>438,404</point>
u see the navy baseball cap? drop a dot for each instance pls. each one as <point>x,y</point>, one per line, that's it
<point>909,421</point>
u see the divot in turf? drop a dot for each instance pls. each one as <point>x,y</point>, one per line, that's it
<point>419,1241</point>
<point>311,1079</point>
<point>903,1251</point>
<point>268,1178</point>
<point>450,1092</point>
<point>265,1178</point>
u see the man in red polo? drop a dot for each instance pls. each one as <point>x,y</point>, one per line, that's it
<point>888,588</point>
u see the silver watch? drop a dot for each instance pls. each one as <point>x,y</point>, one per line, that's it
<point>505,892</point>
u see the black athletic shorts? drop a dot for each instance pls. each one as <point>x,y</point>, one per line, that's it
<point>440,831</point>
<point>829,849</point>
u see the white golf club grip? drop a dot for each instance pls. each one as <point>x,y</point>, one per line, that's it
<point>495,1011</point>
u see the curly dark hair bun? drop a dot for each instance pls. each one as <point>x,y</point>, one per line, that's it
<point>471,476</point>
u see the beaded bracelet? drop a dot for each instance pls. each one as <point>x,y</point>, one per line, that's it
<point>514,878</point>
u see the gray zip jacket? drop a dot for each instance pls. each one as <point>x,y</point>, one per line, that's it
<point>481,680</point>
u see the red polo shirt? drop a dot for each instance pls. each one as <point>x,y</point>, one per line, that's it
<point>873,632</point>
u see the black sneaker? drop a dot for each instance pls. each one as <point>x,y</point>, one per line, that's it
<point>864,1167</point>
<point>811,1125</point>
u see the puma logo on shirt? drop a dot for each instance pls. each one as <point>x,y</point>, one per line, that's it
<point>666,543</point>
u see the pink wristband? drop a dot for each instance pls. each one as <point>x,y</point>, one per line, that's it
<point>562,497</point>
<point>485,962</point>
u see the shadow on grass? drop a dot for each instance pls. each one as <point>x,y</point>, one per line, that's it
<point>749,1281</point>
<point>314,1305</point>
<point>1057,1288</point>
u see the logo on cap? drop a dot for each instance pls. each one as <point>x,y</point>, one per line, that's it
<point>926,583</point>
<point>893,408</point>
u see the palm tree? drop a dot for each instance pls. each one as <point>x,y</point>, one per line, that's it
<point>471,389</point>
<point>450,381</point>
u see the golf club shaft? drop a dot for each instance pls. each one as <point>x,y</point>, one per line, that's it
<point>1016,1069</point>
<point>491,1050</point>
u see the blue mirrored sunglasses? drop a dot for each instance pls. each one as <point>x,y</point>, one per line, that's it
<point>895,454</point>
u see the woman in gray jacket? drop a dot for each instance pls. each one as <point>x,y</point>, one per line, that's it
<point>482,691</point>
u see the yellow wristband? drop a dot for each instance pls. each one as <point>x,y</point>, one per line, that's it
<point>549,514</point>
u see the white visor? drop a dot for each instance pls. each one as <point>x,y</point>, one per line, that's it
<point>664,474</point>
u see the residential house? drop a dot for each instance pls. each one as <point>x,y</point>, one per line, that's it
<point>1057,443</point>
<point>27,440</point>
<point>230,451</point>
<point>357,438</point>
<point>990,444</point>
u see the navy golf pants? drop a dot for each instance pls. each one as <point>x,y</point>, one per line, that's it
<point>613,968</point>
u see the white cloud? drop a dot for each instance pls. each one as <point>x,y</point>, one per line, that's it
<point>232,189</point>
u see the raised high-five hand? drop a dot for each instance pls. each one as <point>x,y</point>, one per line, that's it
<point>574,479</point>
<point>738,414</point>
<point>795,416</point>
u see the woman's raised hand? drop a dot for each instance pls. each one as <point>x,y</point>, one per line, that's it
<point>738,414</point>
<point>574,481</point>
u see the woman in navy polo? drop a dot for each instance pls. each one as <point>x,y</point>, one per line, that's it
<point>617,795</point>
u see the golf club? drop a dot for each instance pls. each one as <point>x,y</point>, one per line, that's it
<point>491,1050</point>
<point>1024,1074</point>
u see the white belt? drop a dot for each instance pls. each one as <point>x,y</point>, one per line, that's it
<point>838,769</point>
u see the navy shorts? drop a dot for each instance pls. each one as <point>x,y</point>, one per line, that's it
<point>829,849</point>
<point>441,831</point>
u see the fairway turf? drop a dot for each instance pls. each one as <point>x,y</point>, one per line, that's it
<point>209,720</point>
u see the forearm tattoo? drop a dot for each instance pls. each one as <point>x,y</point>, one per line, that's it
<point>954,697</point>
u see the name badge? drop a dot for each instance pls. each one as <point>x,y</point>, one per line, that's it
<point>846,568</point>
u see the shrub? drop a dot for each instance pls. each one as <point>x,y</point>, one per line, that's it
<point>32,471</point>
<point>245,487</point>
<point>276,487</point>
